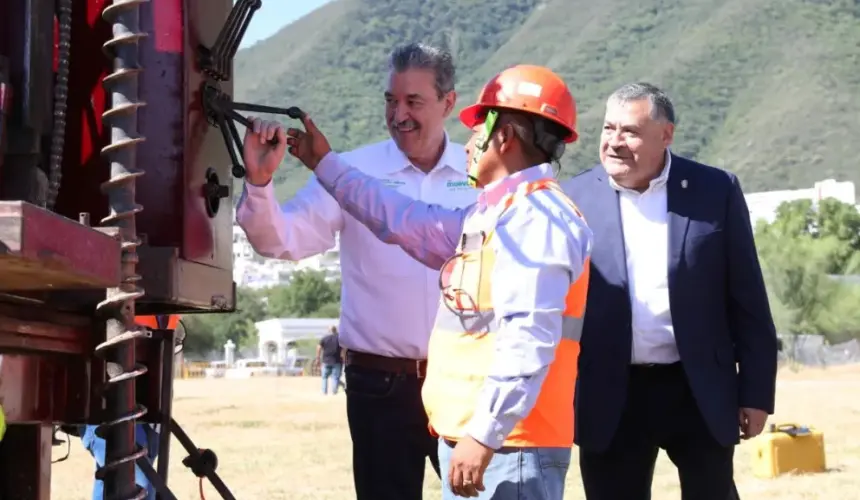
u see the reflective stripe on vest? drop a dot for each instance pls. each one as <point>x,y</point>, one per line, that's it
<point>157,322</point>
<point>462,346</point>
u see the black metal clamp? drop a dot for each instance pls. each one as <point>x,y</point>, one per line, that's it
<point>222,112</point>
<point>217,63</point>
<point>202,463</point>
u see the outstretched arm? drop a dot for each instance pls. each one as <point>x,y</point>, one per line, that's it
<point>301,227</point>
<point>429,233</point>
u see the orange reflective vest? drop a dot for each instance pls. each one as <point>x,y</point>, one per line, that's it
<point>152,322</point>
<point>462,345</point>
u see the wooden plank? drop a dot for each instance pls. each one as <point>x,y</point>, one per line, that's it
<point>46,389</point>
<point>32,329</point>
<point>41,250</point>
<point>45,360</point>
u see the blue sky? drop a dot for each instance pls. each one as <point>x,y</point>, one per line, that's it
<point>274,15</point>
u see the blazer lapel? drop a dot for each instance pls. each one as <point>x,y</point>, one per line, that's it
<point>608,218</point>
<point>678,193</point>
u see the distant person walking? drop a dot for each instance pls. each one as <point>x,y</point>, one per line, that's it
<point>330,359</point>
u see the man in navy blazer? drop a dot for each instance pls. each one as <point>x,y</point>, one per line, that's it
<point>679,349</point>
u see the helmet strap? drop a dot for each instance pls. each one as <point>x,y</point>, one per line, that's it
<point>547,142</point>
<point>482,144</point>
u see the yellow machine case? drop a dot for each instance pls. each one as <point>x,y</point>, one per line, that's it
<point>788,449</point>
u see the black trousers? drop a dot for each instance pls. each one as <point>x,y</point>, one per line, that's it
<point>660,414</point>
<point>390,438</point>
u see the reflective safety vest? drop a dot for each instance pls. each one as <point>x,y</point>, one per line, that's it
<point>159,322</point>
<point>462,346</point>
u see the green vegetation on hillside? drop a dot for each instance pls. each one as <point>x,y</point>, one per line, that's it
<point>768,89</point>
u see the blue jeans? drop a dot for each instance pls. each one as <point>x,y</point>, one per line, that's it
<point>516,473</point>
<point>144,436</point>
<point>331,372</point>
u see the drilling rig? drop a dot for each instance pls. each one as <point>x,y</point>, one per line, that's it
<point>117,155</point>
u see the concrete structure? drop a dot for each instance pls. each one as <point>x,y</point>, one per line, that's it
<point>275,334</point>
<point>229,353</point>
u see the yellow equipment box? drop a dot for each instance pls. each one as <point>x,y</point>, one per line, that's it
<point>788,449</point>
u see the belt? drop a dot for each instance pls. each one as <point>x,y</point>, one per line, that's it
<point>663,366</point>
<point>401,366</point>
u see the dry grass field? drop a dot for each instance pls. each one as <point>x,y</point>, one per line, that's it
<point>278,438</point>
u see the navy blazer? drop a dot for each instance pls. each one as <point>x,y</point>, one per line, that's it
<point>723,325</point>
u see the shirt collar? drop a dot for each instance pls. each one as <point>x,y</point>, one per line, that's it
<point>449,158</point>
<point>496,190</point>
<point>656,183</point>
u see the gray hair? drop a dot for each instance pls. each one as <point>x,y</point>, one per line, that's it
<point>421,56</point>
<point>661,106</point>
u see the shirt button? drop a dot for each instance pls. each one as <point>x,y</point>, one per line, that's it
<point>500,437</point>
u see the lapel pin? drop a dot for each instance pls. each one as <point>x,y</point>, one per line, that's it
<point>684,184</point>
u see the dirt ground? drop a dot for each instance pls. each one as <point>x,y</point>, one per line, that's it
<point>279,438</point>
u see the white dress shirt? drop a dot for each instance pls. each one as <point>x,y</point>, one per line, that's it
<point>388,299</point>
<point>540,247</point>
<point>644,220</point>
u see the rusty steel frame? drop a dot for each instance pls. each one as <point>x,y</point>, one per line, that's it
<point>70,353</point>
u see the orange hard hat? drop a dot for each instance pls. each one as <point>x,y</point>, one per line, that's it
<point>152,322</point>
<point>533,89</point>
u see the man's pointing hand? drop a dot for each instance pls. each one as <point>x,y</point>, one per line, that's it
<point>308,145</point>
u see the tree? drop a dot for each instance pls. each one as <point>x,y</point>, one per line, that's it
<point>330,310</point>
<point>206,334</point>
<point>794,272</point>
<point>307,294</point>
<point>832,219</point>
<point>803,252</point>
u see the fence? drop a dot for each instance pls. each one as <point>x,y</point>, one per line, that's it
<point>811,350</point>
<point>197,369</point>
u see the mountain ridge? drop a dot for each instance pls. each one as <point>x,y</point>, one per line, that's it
<point>767,89</point>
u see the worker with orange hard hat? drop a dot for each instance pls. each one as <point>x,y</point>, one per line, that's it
<point>502,359</point>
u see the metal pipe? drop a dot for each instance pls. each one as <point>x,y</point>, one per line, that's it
<point>167,354</point>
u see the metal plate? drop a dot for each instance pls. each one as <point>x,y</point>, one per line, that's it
<point>40,250</point>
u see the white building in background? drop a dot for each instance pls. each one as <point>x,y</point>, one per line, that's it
<point>763,205</point>
<point>254,271</point>
<point>275,334</point>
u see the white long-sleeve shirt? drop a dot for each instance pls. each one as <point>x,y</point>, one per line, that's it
<point>540,247</point>
<point>388,299</point>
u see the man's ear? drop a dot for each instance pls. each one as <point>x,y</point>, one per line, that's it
<point>668,134</point>
<point>505,136</point>
<point>450,101</point>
